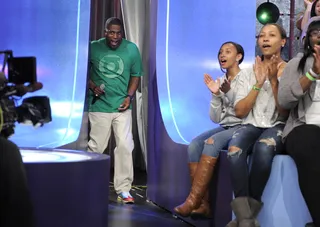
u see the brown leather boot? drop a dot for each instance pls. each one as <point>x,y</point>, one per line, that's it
<point>200,184</point>
<point>192,169</point>
<point>204,210</point>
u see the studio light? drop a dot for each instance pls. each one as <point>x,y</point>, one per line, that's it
<point>267,13</point>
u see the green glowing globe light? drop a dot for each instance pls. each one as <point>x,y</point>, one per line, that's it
<point>267,13</point>
<point>264,16</point>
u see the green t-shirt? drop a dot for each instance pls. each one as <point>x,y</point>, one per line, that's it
<point>113,68</point>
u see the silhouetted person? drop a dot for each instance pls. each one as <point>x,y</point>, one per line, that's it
<point>15,202</point>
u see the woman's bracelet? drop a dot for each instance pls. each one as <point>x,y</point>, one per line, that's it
<point>254,87</point>
<point>310,77</point>
<point>312,73</point>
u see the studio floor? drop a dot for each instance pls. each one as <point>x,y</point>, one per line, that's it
<point>141,214</point>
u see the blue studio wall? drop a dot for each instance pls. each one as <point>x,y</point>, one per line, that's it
<point>189,36</point>
<point>56,32</point>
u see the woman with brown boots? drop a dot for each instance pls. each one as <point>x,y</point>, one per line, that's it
<point>261,133</point>
<point>204,150</point>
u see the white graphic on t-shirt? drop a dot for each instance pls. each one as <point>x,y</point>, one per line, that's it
<point>111,66</point>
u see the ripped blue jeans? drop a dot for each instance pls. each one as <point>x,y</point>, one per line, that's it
<point>202,144</point>
<point>264,144</point>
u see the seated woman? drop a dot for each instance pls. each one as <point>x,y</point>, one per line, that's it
<point>299,91</point>
<point>307,14</point>
<point>256,102</point>
<point>204,150</point>
<point>312,11</point>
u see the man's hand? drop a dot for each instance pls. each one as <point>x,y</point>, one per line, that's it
<point>98,91</point>
<point>95,89</point>
<point>125,104</point>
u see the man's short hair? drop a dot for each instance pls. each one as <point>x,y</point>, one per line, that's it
<point>113,21</point>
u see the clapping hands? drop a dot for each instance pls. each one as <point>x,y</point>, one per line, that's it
<point>260,71</point>
<point>214,85</point>
<point>226,86</point>
<point>272,69</point>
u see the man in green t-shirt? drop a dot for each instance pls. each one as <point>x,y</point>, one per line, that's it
<point>115,72</point>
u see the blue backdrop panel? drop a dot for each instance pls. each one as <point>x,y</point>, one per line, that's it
<point>56,32</point>
<point>189,36</point>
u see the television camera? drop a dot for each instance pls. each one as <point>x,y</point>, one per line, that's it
<point>21,79</point>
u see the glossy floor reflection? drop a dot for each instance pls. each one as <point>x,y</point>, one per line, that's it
<point>142,213</point>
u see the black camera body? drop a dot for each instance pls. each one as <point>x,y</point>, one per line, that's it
<point>21,79</point>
